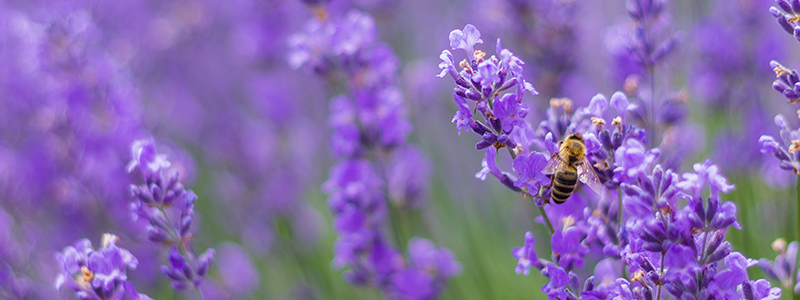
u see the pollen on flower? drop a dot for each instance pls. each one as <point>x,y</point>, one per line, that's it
<point>108,239</point>
<point>464,64</point>
<point>780,70</point>
<point>86,274</point>
<point>565,102</point>
<point>779,245</point>
<point>794,19</point>
<point>794,147</point>
<point>567,221</point>
<point>602,164</point>
<point>498,145</point>
<point>479,55</point>
<point>518,149</point>
<point>616,122</point>
<point>599,123</point>
<point>639,276</point>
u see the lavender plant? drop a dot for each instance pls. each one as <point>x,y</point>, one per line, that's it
<point>163,202</point>
<point>661,243</point>
<point>378,175</point>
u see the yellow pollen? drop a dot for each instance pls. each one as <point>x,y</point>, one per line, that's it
<point>794,19</point>
<point>479,55</point>
<point>464,64</point>
<point>639,276</point>
<point>616,122</point>
<point>87,274</point>
<point>780,70</point>
<point>598,121</point>
<point>794,147</point>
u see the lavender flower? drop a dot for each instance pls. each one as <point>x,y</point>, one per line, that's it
<point>788,82</point>
<point>526,255</point>
<point>786,15</point>
<point>483,80</point>
<point>377,172</point>
<point>786,150</point>
<point>97,274</point>
<point>160,200</point>
<point>642,47</point>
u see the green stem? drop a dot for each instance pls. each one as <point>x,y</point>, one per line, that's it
<point>652,72</point>
<point>546,219</point>
<point>199,294</point>
<point>619,231</point>
<point>658,293</point>
<point>619,211</point>
<point>795,296</point>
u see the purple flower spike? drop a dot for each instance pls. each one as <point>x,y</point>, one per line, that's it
<point>466,39</point>
<point>169,208</point>
<point>526,255</point>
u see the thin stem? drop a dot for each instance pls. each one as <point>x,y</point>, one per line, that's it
<point>619,231</point>
<point>619,211</point>
<point>651,70</point>
<point>513,155</point>
<point>795,296</point>
<point>199,293</point>
<point>658,293</point>
<point>546,219</point>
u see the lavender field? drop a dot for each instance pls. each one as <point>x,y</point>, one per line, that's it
<point>399,149</point>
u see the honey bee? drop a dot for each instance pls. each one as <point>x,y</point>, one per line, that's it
<point>569,165</point>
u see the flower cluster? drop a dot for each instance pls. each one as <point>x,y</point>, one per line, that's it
<point>642,48</point>
<point>785,150</point>
<point>378,176</point>
<point>98,274</point>
<point>168,208</point>
<point>788,82</point>
<point>648,234</point>
<point>781,268</point>
<point>493,88</point>
<point>787,16</point>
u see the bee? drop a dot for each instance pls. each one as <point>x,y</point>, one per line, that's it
<point>569,165</point>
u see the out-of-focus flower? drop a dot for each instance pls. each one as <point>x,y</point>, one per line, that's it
<point>98,274</point>
<point>168,208</point>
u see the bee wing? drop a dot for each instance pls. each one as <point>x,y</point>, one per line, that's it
<point>587,175</point>
<point>553,164</point>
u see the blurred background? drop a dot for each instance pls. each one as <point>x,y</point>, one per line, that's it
<point>80,80</point>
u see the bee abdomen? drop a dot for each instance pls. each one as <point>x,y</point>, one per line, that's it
<point>563,186</point>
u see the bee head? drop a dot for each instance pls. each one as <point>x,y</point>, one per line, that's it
<point>575,136</point>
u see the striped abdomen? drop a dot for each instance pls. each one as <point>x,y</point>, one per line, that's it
<point>563,185</point>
